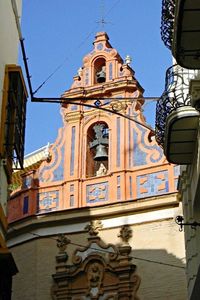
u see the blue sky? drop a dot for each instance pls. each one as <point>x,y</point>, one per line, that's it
<point>63,31</point>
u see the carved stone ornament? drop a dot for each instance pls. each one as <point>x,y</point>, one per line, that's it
<point>94,276</point>
<point>125,233</point>
<point>62,242</point>
<point>96,272</point>
<point>102,170</point>
<point>94,227</point>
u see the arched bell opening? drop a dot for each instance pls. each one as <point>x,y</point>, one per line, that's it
<point>97,150</point>
<point>100,70</point>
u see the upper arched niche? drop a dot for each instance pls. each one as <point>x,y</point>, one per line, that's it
<point>99,70</point>
<point>97,149</point>
<point>102,65</point>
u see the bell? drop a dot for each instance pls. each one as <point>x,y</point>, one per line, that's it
<point>101,153</point>
<point>101,76</point>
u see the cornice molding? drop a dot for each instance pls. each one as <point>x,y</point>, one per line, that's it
<point>112,216</point>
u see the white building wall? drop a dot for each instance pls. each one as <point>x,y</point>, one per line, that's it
<point>8,55</point>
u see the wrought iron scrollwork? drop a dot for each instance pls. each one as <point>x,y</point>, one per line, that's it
<point>180,221</point>
<point>167,22</point>
<point>118,106</point>
<point>175,95</point>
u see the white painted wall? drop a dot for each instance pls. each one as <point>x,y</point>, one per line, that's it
<point>8,55</point>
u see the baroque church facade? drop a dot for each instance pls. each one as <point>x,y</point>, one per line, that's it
<point>92,216</point>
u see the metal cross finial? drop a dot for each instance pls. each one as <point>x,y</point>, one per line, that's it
<point>102,21</point>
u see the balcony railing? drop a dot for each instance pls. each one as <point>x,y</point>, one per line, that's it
<point>167,22</point>
<point>176,95</point>
<point>176,120</point>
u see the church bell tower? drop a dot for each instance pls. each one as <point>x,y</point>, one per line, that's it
<point>99,152</point>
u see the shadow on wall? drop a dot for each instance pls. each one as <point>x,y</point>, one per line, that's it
<point>162,275</point>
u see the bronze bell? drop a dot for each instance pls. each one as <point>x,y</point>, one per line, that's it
<point>101,76</point>
<point>101,153</point>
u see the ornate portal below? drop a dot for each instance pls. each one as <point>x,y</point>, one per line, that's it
<point>98,271</point>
